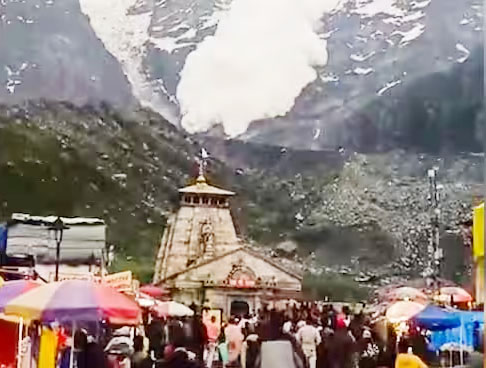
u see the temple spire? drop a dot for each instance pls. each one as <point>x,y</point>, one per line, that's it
<point>203,158</point>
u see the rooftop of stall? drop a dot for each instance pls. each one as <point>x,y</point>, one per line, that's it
<point>83,240</point>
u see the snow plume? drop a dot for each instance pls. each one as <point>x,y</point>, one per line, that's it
<point>263,53</point>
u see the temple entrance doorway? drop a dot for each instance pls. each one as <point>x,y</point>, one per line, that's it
<point>239,308</point>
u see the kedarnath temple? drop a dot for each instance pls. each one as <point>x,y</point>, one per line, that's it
<point>201,260</point>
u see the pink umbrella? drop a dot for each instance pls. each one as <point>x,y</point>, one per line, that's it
<point>454,294</point>
<point>404,310</point>
<point>153,291</point>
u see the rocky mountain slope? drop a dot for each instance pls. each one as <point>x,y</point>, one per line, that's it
<point>360,210</point>
<point>360,215</point>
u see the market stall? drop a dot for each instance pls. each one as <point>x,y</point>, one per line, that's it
<point>69,304</point>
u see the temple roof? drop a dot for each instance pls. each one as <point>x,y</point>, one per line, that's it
<point>202,187</point>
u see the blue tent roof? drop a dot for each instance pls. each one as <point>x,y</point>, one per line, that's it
<point>470,316</point>
<point>435,319</point>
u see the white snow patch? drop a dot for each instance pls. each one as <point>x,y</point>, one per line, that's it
<point>368,9</point>
<point>14,76</point>
<point>329,33</point>
<point>124,36</point>
<point>393,20</point>
<point>410,35</point>
<point>360,57</point>
<point>255,65</point>
<point>420,4</point>
<point>465,21</point>
<point>362,71</point>
<point>327,78</point>
<point>413,17</point>
<point>361,39</point>
<point>461,48</point>
<point>317,133</point>
<point>388,86</point>
<point>168,44</point>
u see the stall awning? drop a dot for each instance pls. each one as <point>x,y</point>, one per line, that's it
<point>435,319</point>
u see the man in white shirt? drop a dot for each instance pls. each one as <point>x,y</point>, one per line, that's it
<point>309,338</point>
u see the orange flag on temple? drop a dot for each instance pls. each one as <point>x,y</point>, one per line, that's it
<point>478,231</point>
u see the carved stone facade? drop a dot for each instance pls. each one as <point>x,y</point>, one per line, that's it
<point>202,261</point>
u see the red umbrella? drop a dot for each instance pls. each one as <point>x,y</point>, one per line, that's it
<point>455,294</point>
<point>153,291</point>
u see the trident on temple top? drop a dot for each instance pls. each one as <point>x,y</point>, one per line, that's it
<point>203,157</point>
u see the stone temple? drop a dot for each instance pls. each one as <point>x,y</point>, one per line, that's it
<point>201,260</point>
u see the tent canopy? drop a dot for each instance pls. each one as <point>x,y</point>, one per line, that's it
<point>435,319</point>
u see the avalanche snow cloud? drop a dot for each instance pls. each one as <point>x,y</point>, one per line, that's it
<point>263,53</point>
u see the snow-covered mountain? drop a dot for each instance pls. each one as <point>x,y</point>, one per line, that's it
<point>296,69</point>
<point>49,50</point>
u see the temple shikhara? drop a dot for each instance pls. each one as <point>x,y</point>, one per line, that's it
<point>201,260</point>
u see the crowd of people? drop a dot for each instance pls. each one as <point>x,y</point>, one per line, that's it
<point>305,337</point>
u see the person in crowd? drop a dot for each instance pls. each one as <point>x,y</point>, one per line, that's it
<point>155,334</point>
<point>368,351</point>
<point>179,357</point>
<point>309,338</point>
<point>250,348</point>
<point>406,358</point>
<point>323,348</point>
<point>139,355</point>
<point>199,337</point>
<point>235,338</point>
<point>341,347</point>
<point>213,330</point>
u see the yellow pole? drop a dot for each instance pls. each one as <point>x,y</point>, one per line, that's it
<point>19,345</point>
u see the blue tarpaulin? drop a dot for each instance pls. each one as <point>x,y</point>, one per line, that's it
<point>3,238</point>
<point>466,334</point>
<point>437,319</point>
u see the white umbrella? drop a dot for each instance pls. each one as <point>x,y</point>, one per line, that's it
<point>454,346</point>
<point>404,310</point>
<point>172,309</point>
<point>146,301</point>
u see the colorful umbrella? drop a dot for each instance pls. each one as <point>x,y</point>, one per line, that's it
<point>75,300</point>
<point>172,309</point>
<point>404,310</point>
<point>455,294</point>
<point>153,291</point>
<point>407,293</point>
<point>12,289</point>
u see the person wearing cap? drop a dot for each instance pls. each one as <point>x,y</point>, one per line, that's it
<point>368,351</point>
